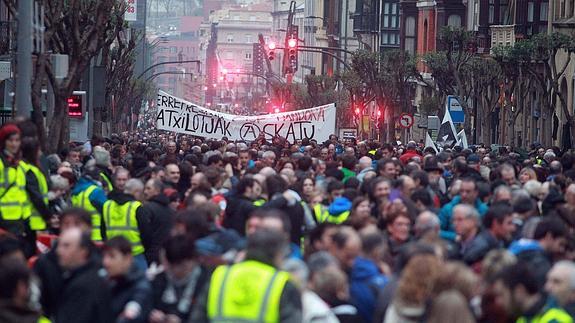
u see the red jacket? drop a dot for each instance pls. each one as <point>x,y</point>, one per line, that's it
<point>408,155</point>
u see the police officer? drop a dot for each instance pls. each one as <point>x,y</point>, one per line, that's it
<point>253,290</point>
<point>36,185</point>
<point>124,216</point>
<point>89,195</point>
<point>13,217</point>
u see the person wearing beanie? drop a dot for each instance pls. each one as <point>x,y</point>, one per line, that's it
<point>12,188</point>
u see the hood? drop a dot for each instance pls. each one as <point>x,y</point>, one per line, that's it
<point>364,268</point>
<point>82,184</point>
<point>120,197</point>
<point>160,199</point>
<point>523,245</point>
<point>340,205</point>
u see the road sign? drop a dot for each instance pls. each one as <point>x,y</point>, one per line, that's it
<point>406,120</point>
<point>455,109</point>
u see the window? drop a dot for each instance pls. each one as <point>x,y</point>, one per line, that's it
<point>476,15</point>
<point>248,55</point>
<point>249,39</point>
<point>229,55</point>
<point>252,18</point>
<point>236,17</point>
<point>454,21</point>
<point>530,7</point>
<point>410,35</point>
<point>544,11</point>
<point>390,15</point>
<point>503,12</point>
<point>230,38</point>
<point>491,11</point>
<point>173,50</point>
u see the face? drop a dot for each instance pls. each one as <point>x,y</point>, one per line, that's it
<point>382,190</point>
<point>244,159</point>
<point>463,225</point>
<point>399,229</point>
<point>363,210</point>
<point>389,170</point>
<point>13,144</point>
<point>196,181</point>
<point>503,298</point>
<point>173,173</point>
<point>408,187</point>
<point>150,190</point>
<point>336,193</point>
<point>74,157</point>
<point>116,263</point>
<point>288,166</point>
<point>70,254</point>
<point>253,224</point>
<point>270,160</point>
<point>159,175</point>
<point>324,154</point>
<point>348,253</point>
<point>505,229</point>
<point>255,191</point>
<point>181,270</point>
<point>508,175</point>
<point>172,147</point>
<point>321,168</point>
<point>558,285</point>
<point>307,187</point>
<point>121,179</point>
<point>70,222</point>
<point>386,153</point>
<point>434,177</point>
<point>468,192</point>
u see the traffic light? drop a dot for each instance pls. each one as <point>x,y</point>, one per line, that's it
<point>357,111</point>
<point>271,51</point>
<point>292,48</point>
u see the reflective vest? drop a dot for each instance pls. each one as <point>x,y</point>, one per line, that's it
<point>82,200</point>
<point>106,182</point>
<point>259,202</point>
<point>13,195</point>
<point>121,220</point>
<point>322,215</point>
<point>37,222</point>
<point>249,291</point>
<point>550,315</point>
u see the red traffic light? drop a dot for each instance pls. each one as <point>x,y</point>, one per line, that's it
<point>378,113</point>
<point>292,43</point>
<point>272,46</point>
<point>276,110</point>
<point>357,111</point>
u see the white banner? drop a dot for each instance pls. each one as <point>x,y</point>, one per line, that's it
<point>131,13</point>
<point>178,115</point>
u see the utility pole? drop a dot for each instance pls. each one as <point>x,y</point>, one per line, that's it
<point>24,60</point>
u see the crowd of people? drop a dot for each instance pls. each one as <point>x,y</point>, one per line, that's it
<point>165,228</point>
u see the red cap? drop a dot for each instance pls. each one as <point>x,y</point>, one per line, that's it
<point>8,130</point>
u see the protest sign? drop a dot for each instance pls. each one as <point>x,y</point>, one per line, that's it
<point>178,115</point>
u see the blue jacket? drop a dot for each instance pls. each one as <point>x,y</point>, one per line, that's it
<point>98,196</point>
<point>339,205</point>
<point>365,284</point>
<point>447,230</point>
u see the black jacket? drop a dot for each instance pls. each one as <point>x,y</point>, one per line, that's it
<point>479,247</point>
<point>539,263</point>
<point>295,213</point>
<point>142,216</point>
<point>238,209</point>
<point>133,287</point>
<point>51,278</point>
<point>161,222</point>
<point>161,286</point>
<point>84,297</point>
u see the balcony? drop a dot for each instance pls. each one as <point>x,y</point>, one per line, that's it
<point>502,35</point>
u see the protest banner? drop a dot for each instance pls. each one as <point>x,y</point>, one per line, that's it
<point>178,115</point>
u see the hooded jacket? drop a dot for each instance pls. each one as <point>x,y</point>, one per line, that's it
<point>365,284</point>
<point>161,222</point>
<point>98,196</point>
<point>131,288</point>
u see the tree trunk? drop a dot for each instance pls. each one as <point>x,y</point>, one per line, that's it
<point>58,128</point>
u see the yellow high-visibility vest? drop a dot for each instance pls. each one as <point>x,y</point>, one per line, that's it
<point>82,200</point>
<point>552,315</point>
<point>13,195</point>
<point>37,222</point>
<point>121,220</point>
<point>249,291</point>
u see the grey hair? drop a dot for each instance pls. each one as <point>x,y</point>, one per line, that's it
<point>469,211</point>
<point>570,266</point>
<point>133,185</point>
<point>427,221</point>
<point>321,260</point>
<point>59,182</point>
<point>268,153</point>
<point>101,156</point>
<point>297,268</point>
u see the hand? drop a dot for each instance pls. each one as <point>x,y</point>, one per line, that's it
<point>171,318</point>
<point>157,316</point>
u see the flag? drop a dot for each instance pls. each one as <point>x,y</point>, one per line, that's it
<point>446,136</point>
<point>462,139</point>
<point>429,142</point>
